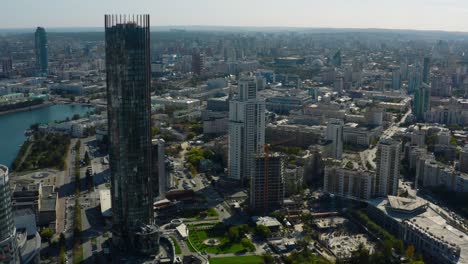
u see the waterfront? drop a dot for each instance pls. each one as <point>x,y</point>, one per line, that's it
<point>13,125</point>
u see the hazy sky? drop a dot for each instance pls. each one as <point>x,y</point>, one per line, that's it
<point>404,14</point>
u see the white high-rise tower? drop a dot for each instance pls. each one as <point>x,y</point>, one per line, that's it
<point>334,133</point>
<point>246,130</point>
<point>388,167</point>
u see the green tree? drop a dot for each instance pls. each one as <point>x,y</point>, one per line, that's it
<point>191,135</point>
<point>409,252</point>
<point>233,234</point>
<point>360,255</point>
<point>268,258</point>
<point>155,131</point>
<point>453,141</point>
<point>247,244</point>
<point>47,234</point>
<point>262,231</point>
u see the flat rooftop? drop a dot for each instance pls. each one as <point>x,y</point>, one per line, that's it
<point>266,221</point>
<point>405,204</point>
<point>106,205</point>
<point>432,221</point>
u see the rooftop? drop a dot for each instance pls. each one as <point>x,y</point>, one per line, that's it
<point>403,204</point>
<point>433,222</point>
<point>182,230</point>
<point>106,205</point>
<point>49,198</point>
<point>266,221</point>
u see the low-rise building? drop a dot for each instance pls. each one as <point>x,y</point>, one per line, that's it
<point>422,224</point>
<point>48,207</point>
<point>27,196</point>
<point>356,135</point>
<point>294,135</point>
<point>282,104</point>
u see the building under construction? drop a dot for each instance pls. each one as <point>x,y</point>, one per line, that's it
<point>267,185</point>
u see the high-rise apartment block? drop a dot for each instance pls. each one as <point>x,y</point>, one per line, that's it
<point>426,70</point>
<point>334,133</point>
<point>388,167</point>
<point>356,184</point>
<point>129,124</point>
<point>41,51</point>
<point>161,179</point>
<point>267,185</point>
<point>338,84</point>
<point>414,77</point>
<point>198,63</point>
<point>463,163</point>
<point>396,78</point>
<point>246,130</point>
<point>421,101</point>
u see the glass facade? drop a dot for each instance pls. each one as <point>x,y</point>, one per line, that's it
<point>41,50</point>
<point>129,116</point>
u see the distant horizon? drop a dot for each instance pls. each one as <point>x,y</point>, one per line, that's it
<point>207,27</point>
<point>424,15</point>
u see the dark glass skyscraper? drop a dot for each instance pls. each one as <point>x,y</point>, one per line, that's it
<point>41,50</point>
<point>129,115</point>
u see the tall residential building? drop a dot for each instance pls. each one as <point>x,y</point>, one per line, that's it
<point>246,130</point>
<point>338,84</point>
<point>414,78</point>
<point>464,159</point>
<point>267,185</point>
<point>161,180</point>
<point>41,50</point>
<point>6,67</point>
<point>198,63</point>
<point>396,78</point>
<point>421,101</point>
<point>8,241</point>
<point>129,125</point>
<point>334,133</point>
<point>426,70</point>
<point>348,183</point>
<point>441,85</point>
<point>388,167</point>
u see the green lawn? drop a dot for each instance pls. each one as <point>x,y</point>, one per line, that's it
<point>198,236</point>
<point>212,212</point>
<point>198,213</point>
<point>236,260</point>
<point>178,251</point>
<point>190,247</point>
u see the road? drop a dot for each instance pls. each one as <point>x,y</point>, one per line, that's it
<point>92,222</point>
<point>368,156</point>
<point>92,225</point>
<point>65,212</point>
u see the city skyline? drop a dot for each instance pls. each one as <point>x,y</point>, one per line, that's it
<point>261,132</point>
<point>416,14</point>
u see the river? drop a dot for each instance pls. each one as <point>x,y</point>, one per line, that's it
<point>13,125</point>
